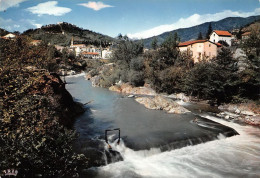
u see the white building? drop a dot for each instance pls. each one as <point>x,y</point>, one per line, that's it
<point>9,36</point>
<point>106,54</point>
<point>218,35</point>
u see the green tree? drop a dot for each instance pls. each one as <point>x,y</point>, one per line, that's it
<point>154,43</point>
<point>209,31</point>
<point>200,37</point>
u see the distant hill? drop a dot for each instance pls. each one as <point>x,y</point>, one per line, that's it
<point>187,34</point>
<point>61,34</point>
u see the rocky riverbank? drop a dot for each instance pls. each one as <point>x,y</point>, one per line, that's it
<point>243,113</point>
<point>248,113</point>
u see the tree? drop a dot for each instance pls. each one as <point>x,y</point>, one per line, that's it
<point>171,41</point>
<point>154,43</point>
<point>209,31</point>
<point>200,37</point>
<point>206,81</point>
<point>119,36</point>
<point>225,60</point>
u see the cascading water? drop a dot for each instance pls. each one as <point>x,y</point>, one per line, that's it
<point>150,138</point>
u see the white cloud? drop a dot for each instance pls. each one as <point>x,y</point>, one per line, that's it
<point>5,4</point>
<point>95,5</point>
<point>190,21</point>
<point>37,25</point>
<point>49,8</point>
<point>20,25</point>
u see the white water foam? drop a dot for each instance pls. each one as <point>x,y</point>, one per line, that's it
<point>77,75</point>
<point>237,156</point>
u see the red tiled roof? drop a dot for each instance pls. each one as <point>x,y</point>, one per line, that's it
<point>222,33</point>
<point>246,34</point>
<point>218,44</point>
<point>4,38</point>
<point>78,45</point>
<point>186,43</point>
<point>91,53</point>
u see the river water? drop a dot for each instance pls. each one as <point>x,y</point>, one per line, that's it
<point>148,144</point>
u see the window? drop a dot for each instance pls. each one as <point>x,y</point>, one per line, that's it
<point>209,45</point>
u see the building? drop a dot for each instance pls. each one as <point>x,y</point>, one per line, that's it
<point>218,35</point>
<point>36,42</point>
<point>106,54</point>
<point>245,35</point>
<point>9,36</point>
<point>200,49</point>
<point>91,55</point>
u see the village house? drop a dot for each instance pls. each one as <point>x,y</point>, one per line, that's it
<point>9,36</point>
<point>91,55</point>
<point>35,42</point>
<point>77,47</point>
<point>245,35</point>
<point>219,35</point>
<point>200,49</point>
<point>106,53</point>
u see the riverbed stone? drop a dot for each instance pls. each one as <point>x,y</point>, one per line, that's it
<point>248,113</point>
<point>115,88</point>
<point>162,103</point>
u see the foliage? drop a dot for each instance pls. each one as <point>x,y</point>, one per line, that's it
<point>206,80</point>
<point>154,44</point>
<point>209,31</point>
<point>35,109</point>
<point>61,34</point>
<point>224,43</point>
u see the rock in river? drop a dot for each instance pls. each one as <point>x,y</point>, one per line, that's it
<point>162,103</point>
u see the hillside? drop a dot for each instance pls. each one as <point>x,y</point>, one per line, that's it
<point>187,34</point>
<point>61,34</point>
<point>252,26</point>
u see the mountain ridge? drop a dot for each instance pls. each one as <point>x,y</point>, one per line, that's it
<point>191,33</point>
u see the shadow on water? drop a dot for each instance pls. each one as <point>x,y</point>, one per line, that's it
<point>141,128</point>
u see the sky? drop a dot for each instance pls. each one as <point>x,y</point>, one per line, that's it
<point>135,18</point>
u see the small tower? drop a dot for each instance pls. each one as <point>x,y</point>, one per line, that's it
<point>72,42</point>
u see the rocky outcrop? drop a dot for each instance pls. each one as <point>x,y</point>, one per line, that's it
<point>248,113</point>
<point>162,103</point>
<point>180,96</point>
<point>52,87</point>
<point>126,88</point>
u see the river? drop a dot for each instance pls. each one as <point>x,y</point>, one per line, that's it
<point>157,144</point>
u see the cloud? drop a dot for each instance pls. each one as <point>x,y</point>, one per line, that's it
<point>20,25</point>
<point>95,5</point>
<point>37,25</point>
<point>190,21</point>
<point>5,4</point>
<point>49,8</point>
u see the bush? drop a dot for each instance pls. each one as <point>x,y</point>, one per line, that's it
<point>136,78</point>
<point>32,138</point>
